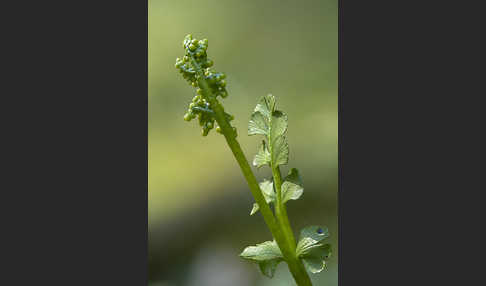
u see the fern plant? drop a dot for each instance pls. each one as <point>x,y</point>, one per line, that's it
<point>310,253</point>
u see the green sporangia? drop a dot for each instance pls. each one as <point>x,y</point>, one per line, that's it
<point>310,252</point>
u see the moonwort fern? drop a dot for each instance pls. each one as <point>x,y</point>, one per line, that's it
<point>310,252</point>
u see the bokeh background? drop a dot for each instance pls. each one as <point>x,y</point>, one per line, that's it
<point>199,202</point>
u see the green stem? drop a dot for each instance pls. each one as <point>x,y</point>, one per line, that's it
<point>281,211</point>
<point>298,269</point>
<point>295,265</point>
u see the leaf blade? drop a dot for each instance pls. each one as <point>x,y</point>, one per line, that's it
<point>310,248</point>
<point>279,151</point>
<point>254,209</point>
<point>266,254</point>
<point>292,187</point>
<point>263,157</point>
<point>316,232</point>
<point>266,105</point>
<point>268,193</point>
<point>268,267</point>
<point>258,124</point>
<point>267,250</point>
<point>315,261</point>
<point>278,124</point>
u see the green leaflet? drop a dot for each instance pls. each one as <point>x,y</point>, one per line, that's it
<point>254,209</point>
<point>271,123</point>
<point>266,254</point>
<point>268,193</point>
<point>278,124</point>
<point>315,232</point>
<point>266,105</point>
<point>268,267</point>
<point>258,124</point>
<point>311,237</point>
<point>267,250</point>
<point>279,147</point>
<point>279,151</point>
<point>315,261</point>
<point>263,156</point>
<point>311,250</point>
<point>292,187</point>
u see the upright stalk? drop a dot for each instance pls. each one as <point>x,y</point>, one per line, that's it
<point>281,214</point>
<point>279,228</point>
<point>195,67</point>
<point>230,136</point>
<point>280,210</point>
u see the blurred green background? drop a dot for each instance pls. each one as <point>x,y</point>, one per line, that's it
<point>199,202</point>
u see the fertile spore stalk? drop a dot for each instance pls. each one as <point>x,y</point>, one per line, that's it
<point>310,252</point>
